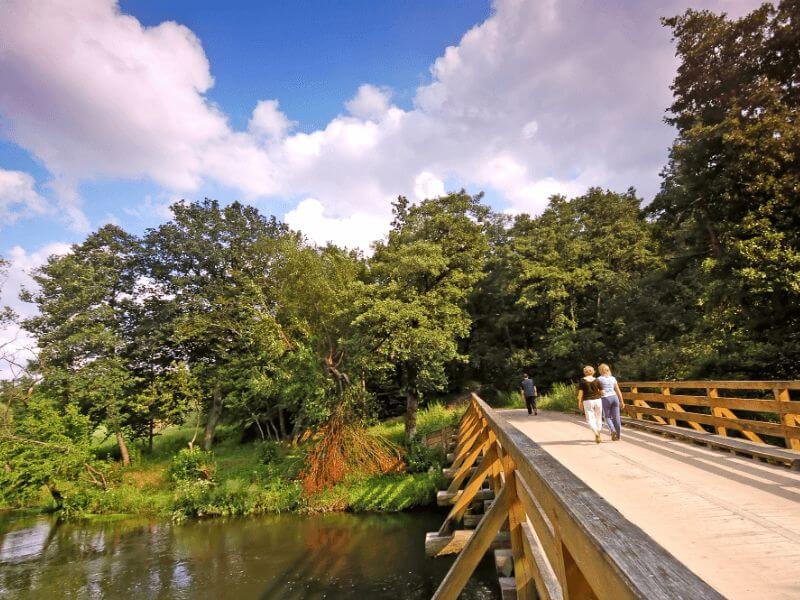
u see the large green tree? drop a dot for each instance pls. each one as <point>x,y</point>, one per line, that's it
<point>211,264</point>
<point>414,313</point>
<point>731,189</point>
<point>84,301</point>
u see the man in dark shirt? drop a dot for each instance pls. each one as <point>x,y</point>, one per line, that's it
<point>528,389</point>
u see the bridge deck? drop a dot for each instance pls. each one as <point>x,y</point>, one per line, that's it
<point>734,521</point>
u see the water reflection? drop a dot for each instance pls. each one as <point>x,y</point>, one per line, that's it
<point>282,556</point>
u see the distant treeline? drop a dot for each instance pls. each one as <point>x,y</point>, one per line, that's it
<point>224,314</point>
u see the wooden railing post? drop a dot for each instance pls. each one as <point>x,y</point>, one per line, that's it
<point>523,576</point>
<point>666,392</point>
<point>787,419</point>
<point>712,393</point>
<point>573,584</point>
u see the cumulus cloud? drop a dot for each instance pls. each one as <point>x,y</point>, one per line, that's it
<point>18,197</point>
<point>269,121</point>
<point>369,103</point>
<point>15,343</point>
<point>542,97</point>
<point>357,230</point>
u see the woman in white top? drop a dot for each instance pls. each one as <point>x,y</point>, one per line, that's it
<point>612,400</point>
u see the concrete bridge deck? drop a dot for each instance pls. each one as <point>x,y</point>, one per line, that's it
<point>734,521</point>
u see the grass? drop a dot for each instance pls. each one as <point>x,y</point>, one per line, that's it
<point>432,418</point>
<point>244,481</point>
<point>561,398</point>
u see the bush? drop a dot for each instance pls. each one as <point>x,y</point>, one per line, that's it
<point>192,464</point>
<point>269,452</point>
<point>561,398</point>
<point>420,458</point>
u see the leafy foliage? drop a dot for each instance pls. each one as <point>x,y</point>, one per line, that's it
<point>43,447</point>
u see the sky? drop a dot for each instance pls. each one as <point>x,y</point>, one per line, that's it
<point>319,112</point>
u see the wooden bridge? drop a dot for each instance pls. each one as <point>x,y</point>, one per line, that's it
<point>650,516</point>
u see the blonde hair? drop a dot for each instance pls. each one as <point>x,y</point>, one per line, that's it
<point>588,370</point>
<point>604,369</point>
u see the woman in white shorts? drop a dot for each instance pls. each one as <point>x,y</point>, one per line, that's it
<point>590,394</point>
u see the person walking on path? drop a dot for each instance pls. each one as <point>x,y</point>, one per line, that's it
<point>612,400</point>
<point>590,395</point>
<point>528,389</point>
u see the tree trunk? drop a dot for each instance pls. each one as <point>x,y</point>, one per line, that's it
<point>713,239</point>
<point>123,449</point>
<point>150,435</point>
<point>282,423</point>
<point>412,403</point>
<point>213,419</point>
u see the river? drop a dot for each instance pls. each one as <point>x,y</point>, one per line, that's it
<point>288,556</point>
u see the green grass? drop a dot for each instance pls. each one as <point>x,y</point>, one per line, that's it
<point>243,482</point>
<point>561,398</point>
<point>432,418</point>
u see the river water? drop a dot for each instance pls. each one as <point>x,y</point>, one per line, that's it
<point>288,556</point>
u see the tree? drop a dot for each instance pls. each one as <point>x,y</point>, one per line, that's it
<point>212,263</point>
<point>45,444</point>
<point>84,300</point>
<point>731,188</point>
<point>414,312</point>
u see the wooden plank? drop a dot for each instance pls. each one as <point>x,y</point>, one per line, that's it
<point>712,394</point>
<point>463,470</point>
<point>476,547</point>
<point>665,392</point>
<point>678,408</point>
<point>523,575</point>
<point>725,385</point>
<point>617,557</point>
<point>470,491</point>
<point>644,404</point>
<point>727,413</point>
<point>443,545</point>
<point>450,472</point>
<point>788,419</point>
<point>752,404</point>
<point>539,520</point>
<point>462,450</point>
<point>445,498</point>
<point>788,457</point>
<point>547,585</point>
<point>775,429</point>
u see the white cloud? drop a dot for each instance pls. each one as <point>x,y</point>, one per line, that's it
<point>427,185</point>
<point>369,103</point>
<point>541,96</point>
<point>358,230</point>
<point>14,341</point>
<point>18,197</point>
<point>269,121</point>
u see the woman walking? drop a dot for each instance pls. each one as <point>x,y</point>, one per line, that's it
<point>612,400</point>
<point>590,396</point>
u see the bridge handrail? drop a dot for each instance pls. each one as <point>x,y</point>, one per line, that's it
<point>669,407</point>
<point>566,540</point>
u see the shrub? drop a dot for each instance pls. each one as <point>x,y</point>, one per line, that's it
<point>192,464</point>
<point>269,452</point>
<point>420,458</point>
<point>560,398</point>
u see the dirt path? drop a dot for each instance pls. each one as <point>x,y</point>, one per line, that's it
<point>734,521</point>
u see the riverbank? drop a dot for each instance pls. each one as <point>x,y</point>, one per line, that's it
<point>250,479</point>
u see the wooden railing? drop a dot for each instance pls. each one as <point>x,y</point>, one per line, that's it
<point>658,402</point>
<point>566,541</point>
